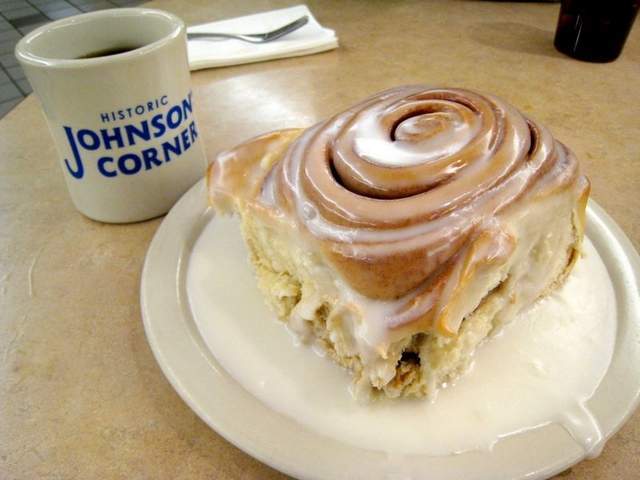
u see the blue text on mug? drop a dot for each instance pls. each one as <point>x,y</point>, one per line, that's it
<point>158,133</point>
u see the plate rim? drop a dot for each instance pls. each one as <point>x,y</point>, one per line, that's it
<point>183,225</point>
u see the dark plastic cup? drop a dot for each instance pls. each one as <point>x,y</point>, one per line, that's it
<point>594,30</point>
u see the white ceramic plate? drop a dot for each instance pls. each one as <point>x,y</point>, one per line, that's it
<point>287,446</point>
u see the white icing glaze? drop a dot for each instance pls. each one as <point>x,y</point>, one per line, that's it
<point>542,368</point>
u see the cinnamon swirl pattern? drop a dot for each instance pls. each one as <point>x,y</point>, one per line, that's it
<point>404,193</point>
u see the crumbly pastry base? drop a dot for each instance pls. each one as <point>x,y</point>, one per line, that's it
<point>302,290</point>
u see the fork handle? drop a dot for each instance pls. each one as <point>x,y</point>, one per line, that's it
<point>195,35</point>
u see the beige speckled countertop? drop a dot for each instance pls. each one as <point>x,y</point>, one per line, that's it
<point>81,396</point>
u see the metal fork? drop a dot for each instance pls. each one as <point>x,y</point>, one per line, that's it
<point>252,37</point>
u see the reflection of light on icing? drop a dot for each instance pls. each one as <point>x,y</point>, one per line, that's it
<point>584,428</point>
<point>542,368</point>
<point>373,144</point>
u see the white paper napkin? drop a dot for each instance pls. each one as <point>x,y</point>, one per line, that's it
<point>312,38</point>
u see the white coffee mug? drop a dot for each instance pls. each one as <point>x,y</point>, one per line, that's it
<point>115,88</point>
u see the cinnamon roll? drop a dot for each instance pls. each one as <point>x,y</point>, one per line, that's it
<point>402,232</point>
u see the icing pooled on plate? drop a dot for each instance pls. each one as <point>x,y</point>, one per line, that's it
<point>542,368</point>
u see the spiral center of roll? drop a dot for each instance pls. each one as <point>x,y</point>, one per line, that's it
<point>419,138</point>
<point>422,127</point>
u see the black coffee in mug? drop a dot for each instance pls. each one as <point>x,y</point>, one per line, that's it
<point>106,52</point>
